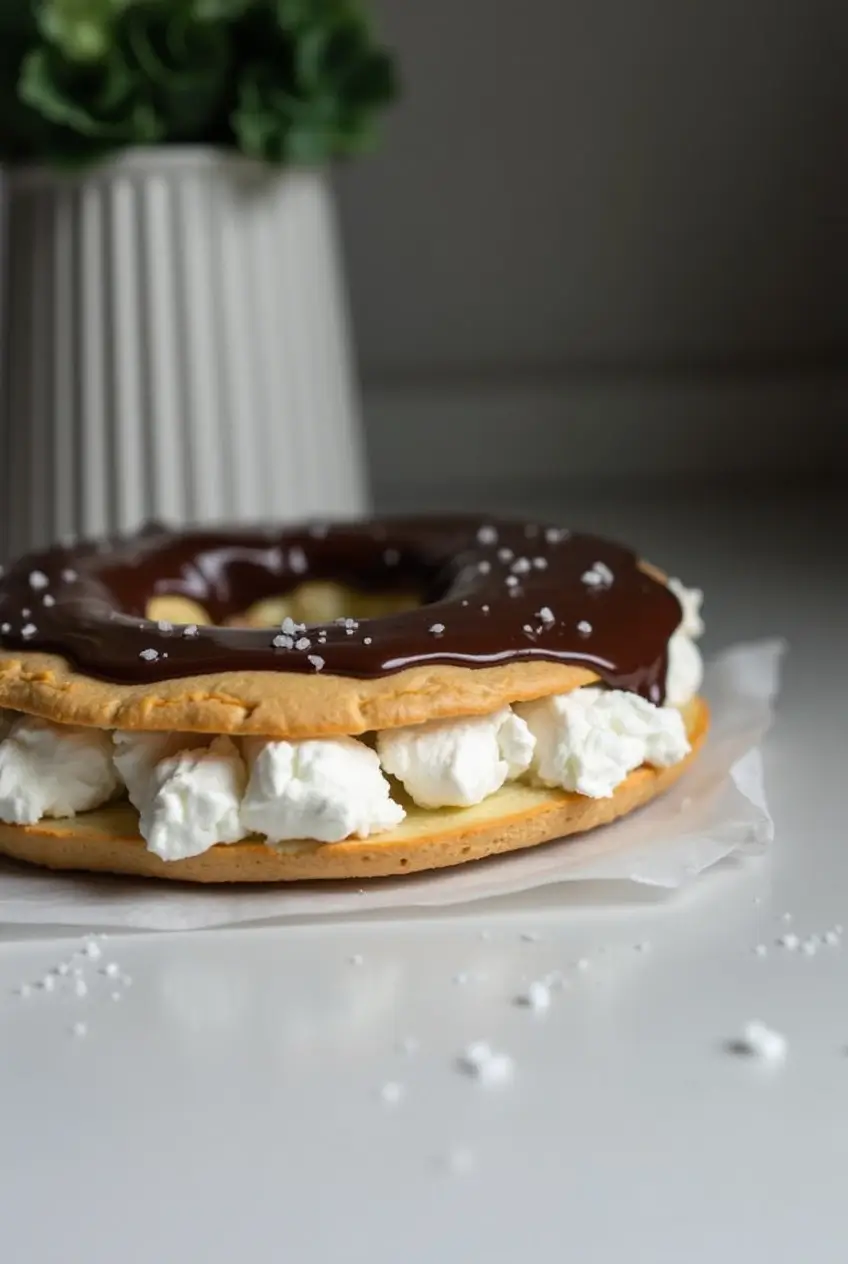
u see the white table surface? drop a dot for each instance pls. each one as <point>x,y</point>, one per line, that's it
<point>227,1107</point>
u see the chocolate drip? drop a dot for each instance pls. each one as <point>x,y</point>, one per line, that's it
<point>494,592</point>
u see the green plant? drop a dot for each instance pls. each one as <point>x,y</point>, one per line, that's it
<point>286,81</point>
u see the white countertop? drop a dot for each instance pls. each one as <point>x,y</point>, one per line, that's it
<point>228,1105</point>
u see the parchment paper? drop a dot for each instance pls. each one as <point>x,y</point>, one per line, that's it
<point>717,809</point>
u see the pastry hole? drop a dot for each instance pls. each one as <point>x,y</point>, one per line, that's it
<point>312,602</point>
<point>176,609</point>
<point>323,602</point>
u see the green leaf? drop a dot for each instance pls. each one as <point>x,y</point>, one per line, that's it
<point>103,108</point>
<point>82,30</point>
<point>184,66</point>
<point>288,81</point>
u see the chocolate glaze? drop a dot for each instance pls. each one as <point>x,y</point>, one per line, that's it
<point>489,586</point>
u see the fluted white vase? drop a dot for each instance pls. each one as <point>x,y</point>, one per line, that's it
<point>175,347</point>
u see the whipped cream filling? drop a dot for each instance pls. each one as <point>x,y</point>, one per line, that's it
<point>320,789</point>
<point>193,791</point>
<point>587,741</point>
<point>53,770</point>
<point>457,763</point>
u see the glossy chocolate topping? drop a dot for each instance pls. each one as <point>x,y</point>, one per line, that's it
<point>494,592</point>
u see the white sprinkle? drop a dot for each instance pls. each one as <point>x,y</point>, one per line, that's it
<point>484,567</point>
<point>357,959</point>
<point>25,990</point>
<point>48,983</point>
<point>591,579</point>
<point>759,1041</point>
<point>810,946</point>
<point>48,601</point>
<point>38,580</point>
<point>81,987</point>
<point>316,660</point>
<point>487,535</point>
<point>831,938</point>
<point>297,560</point>
<point>366,640</point>
<point>485,609</point>
<point>546,615</point>
<point>92,950</point>
<point>583,963</point>
<point>537,997</point>
<point>584,628</point>
<point>520,566</point>
<point>511,581</point>
<point>28,630</point>
<point>554,535</point>
<point>787,917</point>
<point>69,575</point>
<point>490,1068</point>
<point>5,628</point>
<point>112,969</point>
<point>761,950</point>
<point>149,656</point>
<point>541,563</point>
<point>80,1029</point>
<point>282,642</point>
<point>303,643</point>
<point>604,571</point>
<point>288,627</point>
<point>391,556</point>
<point>505,555</point>
<point>190,630</point>
<point>26,612</point>
<point>437,629</point>
<point>527,628</point>
<point>789,941</point>
<point>392,1092</point>
<point>164,626</point>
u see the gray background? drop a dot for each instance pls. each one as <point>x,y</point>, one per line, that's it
<point>604,238</point>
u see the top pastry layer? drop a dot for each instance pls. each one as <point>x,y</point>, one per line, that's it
<point>508,611</point>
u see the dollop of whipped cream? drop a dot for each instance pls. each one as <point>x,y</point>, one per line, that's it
<point>191,798</point>
<point>456,763</point>
<point>587,741</point>
<point>327,790</point>
<point>53,769</point>
<point>137,754</point>
<point>685,665</point>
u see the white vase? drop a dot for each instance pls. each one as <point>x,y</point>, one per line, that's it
<point>175,348</point>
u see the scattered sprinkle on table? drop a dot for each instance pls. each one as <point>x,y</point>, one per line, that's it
<point>481,1062</point>
<point>759,1041</point>
<point>537,996</point>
